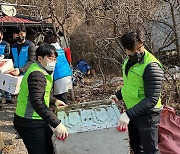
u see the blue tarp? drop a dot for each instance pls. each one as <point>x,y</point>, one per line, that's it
<point>83,66</point>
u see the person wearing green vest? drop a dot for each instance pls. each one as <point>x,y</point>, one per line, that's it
<point>143,77</point>
<point>33,119</point>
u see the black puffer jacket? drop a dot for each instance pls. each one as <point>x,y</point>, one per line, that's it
<point>36,84</point>
<point>153,78</point>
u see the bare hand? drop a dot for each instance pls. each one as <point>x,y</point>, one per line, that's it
<point>60,104</point>
<point>15,72</point>
<point>114,98</point>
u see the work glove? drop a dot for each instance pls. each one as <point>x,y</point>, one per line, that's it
<point>123,122</point>
<point>1,57</point>
<point>60,104</point>
<point>114,98</point>
<point>61,132</point>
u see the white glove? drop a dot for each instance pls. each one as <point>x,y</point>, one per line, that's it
<point>60,104</point>
<point>123,122</point>
<point>114,98</point>
<point>1,57</point>
<point>61,132</point>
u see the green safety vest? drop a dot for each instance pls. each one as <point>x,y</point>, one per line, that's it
<point>24,107</point>
<point>133,88</point>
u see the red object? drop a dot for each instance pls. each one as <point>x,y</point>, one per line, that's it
<point>17,20</point>
<point>61,138</point>
<point>123,129</point>
<point>68,54</point>
<point>2,63</point>
<point>169,132</point>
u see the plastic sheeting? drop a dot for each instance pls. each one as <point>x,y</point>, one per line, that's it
<point>169,132</point>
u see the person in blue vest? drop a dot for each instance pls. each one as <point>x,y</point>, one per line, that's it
<point>4,53</point>
<point>62,72</point>
<point>22,52</point>
<point>141,91</point>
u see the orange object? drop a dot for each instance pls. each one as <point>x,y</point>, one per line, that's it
<point>2,63</point>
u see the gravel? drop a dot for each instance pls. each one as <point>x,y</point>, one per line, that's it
<point>13,144</point>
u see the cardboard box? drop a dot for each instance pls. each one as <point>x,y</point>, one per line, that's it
<point>5,65</point>
<point>92,129</point>
<point>10,83</point>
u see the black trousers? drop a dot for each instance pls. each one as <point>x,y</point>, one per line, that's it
<point>37,140</point>
<point>62,97</point>
<point>143,133</point>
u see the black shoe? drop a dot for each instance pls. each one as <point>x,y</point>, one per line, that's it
<point>9,101</point>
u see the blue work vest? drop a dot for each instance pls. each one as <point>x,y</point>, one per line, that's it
<point>62,68</point>
<point>21,59</point>
<point>2,48</point>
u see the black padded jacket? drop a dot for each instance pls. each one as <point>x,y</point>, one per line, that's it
<point>153,78</point>
<point>36,84</point>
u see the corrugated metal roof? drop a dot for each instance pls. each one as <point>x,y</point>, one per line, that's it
<point>16,20</point>
<point>89,116</point>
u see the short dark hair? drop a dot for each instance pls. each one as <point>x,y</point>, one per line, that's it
<point>128,39</point>
<point>45,50</point>
<point>47,38</point>
<point>18,29</point>
<point>50,38</point>
<point>53,38</point>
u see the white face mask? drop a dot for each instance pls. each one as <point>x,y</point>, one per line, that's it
<point>50,66</point>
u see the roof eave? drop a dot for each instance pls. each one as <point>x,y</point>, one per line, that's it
<point>26,24</point>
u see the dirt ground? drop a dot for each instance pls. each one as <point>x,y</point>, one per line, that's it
<point>13,145</point>
<point>92,89</point>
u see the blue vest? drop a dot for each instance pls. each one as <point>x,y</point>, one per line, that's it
<point>21,59</point>
<point>62,68</point>
<point>2,48</point>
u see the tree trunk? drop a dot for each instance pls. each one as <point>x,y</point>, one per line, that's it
<point>175,30</point>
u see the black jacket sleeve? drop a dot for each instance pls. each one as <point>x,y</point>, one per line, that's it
<point>153,78</point>
<point>52,100</point>
<point>31,58</point>
<point>119,95</point>
<point>7,51</point>
<point>36,85</point>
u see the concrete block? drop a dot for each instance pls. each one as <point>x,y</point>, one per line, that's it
<point>92,129</point>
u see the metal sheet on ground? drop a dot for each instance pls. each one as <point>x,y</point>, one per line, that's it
<point>92,129</point>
